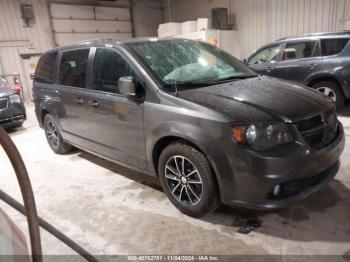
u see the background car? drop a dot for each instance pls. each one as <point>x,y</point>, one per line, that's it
<point>16,86</point>
<point>320,61</point>
<point>12,110</point>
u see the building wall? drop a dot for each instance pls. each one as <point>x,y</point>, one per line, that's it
<point>262,21</point>
<point>15,38</point>
<point>16,57</point>
<point>184,10</point>
<point>269,20</point>
<point>147,15</point>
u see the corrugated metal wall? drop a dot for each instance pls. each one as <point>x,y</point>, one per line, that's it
<point>14,37</point>
<point>262,21</point>
<point>147,15</point>
<point>184,10</point>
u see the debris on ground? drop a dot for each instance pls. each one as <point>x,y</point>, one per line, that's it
<point>247,224</point>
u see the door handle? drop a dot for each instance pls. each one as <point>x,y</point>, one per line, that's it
<point>269,69</point>
<point>93,103</point>
<point>79,100</point>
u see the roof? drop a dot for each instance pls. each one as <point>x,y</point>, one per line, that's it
<point>316,35</point>
<point>106,41</point>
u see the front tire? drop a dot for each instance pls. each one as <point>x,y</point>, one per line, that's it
<point>333,91</point>
<point>54,137</point>
<point>187,179</point>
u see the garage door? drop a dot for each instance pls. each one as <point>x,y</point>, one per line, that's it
<point>72,23</point>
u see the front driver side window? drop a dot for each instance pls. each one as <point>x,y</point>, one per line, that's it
<point>109,66</point>
<point>267,55</point>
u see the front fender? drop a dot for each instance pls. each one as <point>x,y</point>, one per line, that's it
<point>186,131</point>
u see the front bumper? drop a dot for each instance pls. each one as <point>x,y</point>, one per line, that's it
<point>299,172</point>
<point>13,115</point>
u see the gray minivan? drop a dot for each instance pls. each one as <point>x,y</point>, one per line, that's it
<point>321,61</point>
<point>209,128</point>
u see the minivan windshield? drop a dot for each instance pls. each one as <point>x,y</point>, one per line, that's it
<point>188,64</point>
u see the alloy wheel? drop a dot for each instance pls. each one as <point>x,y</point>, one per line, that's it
<point>52,134</point>
<point>328,92</point>
<point>184,180</point>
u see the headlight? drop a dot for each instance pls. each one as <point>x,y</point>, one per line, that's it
<point>262,136</point>
<point>15,98</point>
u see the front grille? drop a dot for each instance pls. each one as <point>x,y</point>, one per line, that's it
<point>297,186</point>
<point>3,103</point>
<point>319,131</point>
<point>12,119</point>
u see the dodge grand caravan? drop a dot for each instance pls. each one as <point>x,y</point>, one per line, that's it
<point>206,125</point>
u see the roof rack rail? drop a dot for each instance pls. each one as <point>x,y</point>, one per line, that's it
<point>341,32</point>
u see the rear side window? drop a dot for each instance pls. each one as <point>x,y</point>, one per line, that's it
<point>73,67</point>
<point>333,46</point>
<point>44,72</point>
<point>297,50</point>
<point>109,66</point>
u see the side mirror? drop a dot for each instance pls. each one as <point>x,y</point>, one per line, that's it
<point>244,61</point>
<point>126,86</point>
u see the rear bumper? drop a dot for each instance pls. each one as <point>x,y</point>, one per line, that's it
<point>298,172</point>
<point>12,115</point>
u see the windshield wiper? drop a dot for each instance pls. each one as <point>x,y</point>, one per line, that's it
<point>231,78</point>
<point>201,83</point>
<point>183,84</point>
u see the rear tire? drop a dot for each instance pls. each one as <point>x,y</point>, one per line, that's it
<point>333,91</point>
<point>54,137</point>
<point>187,179</point>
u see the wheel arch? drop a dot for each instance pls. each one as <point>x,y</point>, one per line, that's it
<point>317,78</point>
<point>189,134</point>
<point>43,113</point>
<point>163,142</point>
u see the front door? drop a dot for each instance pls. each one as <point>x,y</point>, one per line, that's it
<point>115,121</point>
<point>264,60</point>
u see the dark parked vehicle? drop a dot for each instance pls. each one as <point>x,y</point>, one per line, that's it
<point>320,61</point>
<point>12,110</point>
<point>206,125</point>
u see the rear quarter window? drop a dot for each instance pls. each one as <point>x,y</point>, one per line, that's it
<point>333,46</point>
<point>44,72</point>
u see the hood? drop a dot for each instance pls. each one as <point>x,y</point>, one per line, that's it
<point>6,91</point>
<point>261,95</point>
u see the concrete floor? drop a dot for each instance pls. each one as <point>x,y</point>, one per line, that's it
<point>109,209</point>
